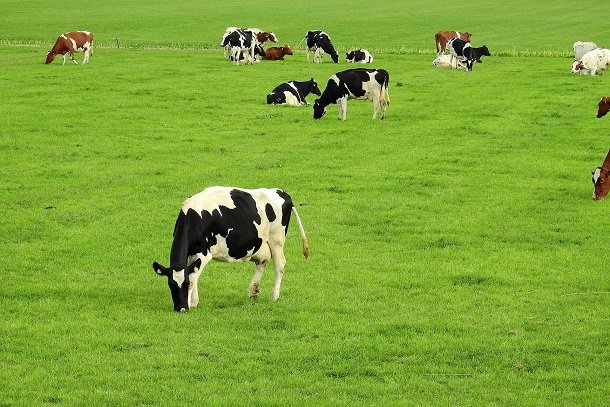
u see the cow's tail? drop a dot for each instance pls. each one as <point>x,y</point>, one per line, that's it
<point>304,244</point>
<point>384,96</point>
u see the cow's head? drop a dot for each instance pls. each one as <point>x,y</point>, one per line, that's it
<point>179,282</point>
<point>604,107</point>
<point>287,49</point>
<point>465,36</point>
<point>313,88</point>
<point>50,57</point>
<point>259,50</point>
<point>318,109</point>
<point>335,57</point>
<point>601,179</point>
<point>350,56</point>
<point>577,66</point>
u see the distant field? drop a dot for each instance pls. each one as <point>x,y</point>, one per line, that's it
<point>457,256</point>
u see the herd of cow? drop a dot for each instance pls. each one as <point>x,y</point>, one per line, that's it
<point>233,224</point>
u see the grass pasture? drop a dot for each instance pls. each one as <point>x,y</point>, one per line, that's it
<point>457,256</point>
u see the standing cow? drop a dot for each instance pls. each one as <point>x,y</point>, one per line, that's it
<point>319,43</point>
<point>442,38</point>
<point>601,179</point>
<point>461,49</point>
<point>293,93</point>
<point>360,83</point>
<point>229,224</point>
<point>603,107</point>
<point>71,42</point>
<point>260,35</point>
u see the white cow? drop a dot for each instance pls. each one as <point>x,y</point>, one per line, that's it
<point>444,61</point>
<point>581,48</point>
<point>593,61</point>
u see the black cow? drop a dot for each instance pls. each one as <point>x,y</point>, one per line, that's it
<point>228,224</point>
<point>461,49</point>
<point>319,43</point>
<point>293,93</point>
<point>360,83</point>
<point>241,41</point>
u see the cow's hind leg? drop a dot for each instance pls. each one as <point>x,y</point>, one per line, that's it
<point>279,262</point>
<point>255,283</point>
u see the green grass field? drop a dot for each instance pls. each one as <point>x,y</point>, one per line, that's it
<point>457,255</point>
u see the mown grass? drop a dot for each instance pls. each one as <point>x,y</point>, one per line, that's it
<point>457,257</point>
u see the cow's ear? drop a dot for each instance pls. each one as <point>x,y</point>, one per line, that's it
<point>194,266</point>
<point>160,270</point>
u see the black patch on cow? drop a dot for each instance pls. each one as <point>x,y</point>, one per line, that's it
<point>303,89</point>
<point>269,212</point>
<point>197,232</point>
<point>286,208</point>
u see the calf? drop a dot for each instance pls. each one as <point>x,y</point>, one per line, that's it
<point>593,61</point>
<point>362,55</point>
<point>603,107</point>
<point>360,83</point>
<point>601,179</point>
<point>229,224</point>
<point>462,49</point>
<point>277,53</point>
<point>441,39</point>
<point>319,43</point>
<point>293,93</point>
<point>71,42</point>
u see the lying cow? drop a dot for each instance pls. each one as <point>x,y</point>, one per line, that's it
<point>581,48</point>
<point>360,83</point>
<point>319,43</point>
<point>442,38</point>
<point>362,56</point>
<point>277,53</point>
<point>593,61</point>
<point>601,179</point>
<point>603,107</point>
<point>445,61</point>
<point>71,42</point>
<point>461,49</point>
<point>229,224</point>
<point>293,93</point>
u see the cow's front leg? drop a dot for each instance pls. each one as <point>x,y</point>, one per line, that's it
<point>342,105</point>
<point>193,293</point>
<point>253,289</point>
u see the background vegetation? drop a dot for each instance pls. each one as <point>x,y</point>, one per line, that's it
<point>457,257</point>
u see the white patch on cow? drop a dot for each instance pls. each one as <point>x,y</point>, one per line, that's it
<point>335,79</point>
<point>291,99</point>
<point>210,199</point>
<point>596,175</point>
<point>178,277</point>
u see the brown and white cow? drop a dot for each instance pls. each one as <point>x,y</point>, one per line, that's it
<point>71,42</point>
<point>604,107</point>
<point>277,53</point>
<point>441,39</point>
<point>601,179</point>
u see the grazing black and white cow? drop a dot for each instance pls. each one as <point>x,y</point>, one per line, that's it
<point>293,93</point>
<point>319,43</point>
<point>360,83</point>
<point>461,49</point>
<point>362,56</point>
<point>229,224</point>
<point>241,41</point>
